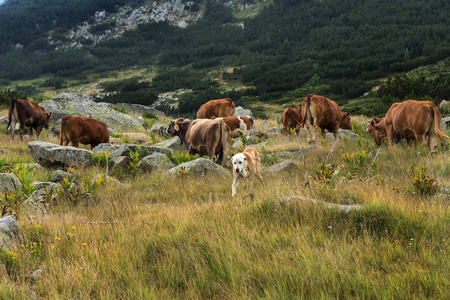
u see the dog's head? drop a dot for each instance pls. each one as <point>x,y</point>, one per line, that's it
<point>239,163</point>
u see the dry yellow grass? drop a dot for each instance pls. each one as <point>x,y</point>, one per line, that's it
<point>156,237</point>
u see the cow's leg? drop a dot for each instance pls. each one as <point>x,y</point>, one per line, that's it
<point>420,139</point>
<point>21,127</point>
<point>234,186</point>
<point>324,135</point>
<point>38,132</point>
<point>75,143</point>
<point>30,132</point>
<point>315,127</point>
<point>12,130</point>
<point>390,134</point>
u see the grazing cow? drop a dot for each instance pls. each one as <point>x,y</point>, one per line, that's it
<point>379,134</point>
<point>203,136</point>
<point>238,125</point>
<point>216,109</point>
<point>323,113</point>
<point>411,119</point>
<point>83,130</point>
<point>291,118</point>
<point>29,114</point>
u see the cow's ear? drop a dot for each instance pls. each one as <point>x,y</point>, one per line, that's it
<point>347,114</point>
<point>177,127</point>
<point>49,115</point>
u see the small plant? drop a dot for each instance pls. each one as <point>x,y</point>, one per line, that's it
<point>26,175</point>
<point>180,157</point>
<point>153,137</point>
<point>149,115</point>
<point>116,134</point>
<point>126,139</point>
<point>243,140</point>
<point>120,109</point>
<point>268,158</point>
<point>10,204</point>
<point>423,183</point>
<point>101,159</point>
<point>133,167</point>
<point>325,172</point>
<point>9,259</point>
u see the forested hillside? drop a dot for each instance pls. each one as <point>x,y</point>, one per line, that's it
<point>289,49</point>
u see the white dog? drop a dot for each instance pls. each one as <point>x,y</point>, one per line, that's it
<point>245,165</point>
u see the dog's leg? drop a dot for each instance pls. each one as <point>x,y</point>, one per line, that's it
<point>234,186</point>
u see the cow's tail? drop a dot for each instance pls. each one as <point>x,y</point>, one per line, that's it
<point>62,130</point>
<point>225,140</point>
<point>305,108</point>
<point>10,112</point>
<point>437,123</point>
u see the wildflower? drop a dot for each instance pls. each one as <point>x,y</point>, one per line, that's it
<point>57,238</point>
<point>73,227</point>
<point>84,244</point>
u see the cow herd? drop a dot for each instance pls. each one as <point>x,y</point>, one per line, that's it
<point>210,133</point>
<point>87,131</point>
<point>412,120</point>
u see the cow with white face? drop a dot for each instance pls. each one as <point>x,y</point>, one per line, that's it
<point>245,165</point>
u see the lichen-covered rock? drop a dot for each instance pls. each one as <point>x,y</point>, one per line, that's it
<point>58,176</point>
<point>125,149</point>
<point>72,105</point>
<point>120,162</point>
<point>172,143</point>
<point>156,162</point>
<point>138,109</point>
<point>105,147</point>
<point>9,183</point>
<point>50,155</point>
<point>287,165</point>
<point>45,185</point>
<point>241,112</point>
<point>199,167</point>
<point>342,133</point>
<point>8,230</point>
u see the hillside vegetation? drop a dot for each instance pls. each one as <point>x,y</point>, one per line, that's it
<point>289,49</point>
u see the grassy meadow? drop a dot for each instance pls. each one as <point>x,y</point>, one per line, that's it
<point>158,237</point>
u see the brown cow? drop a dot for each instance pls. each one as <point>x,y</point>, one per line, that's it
<point>291,118</point>
<point>238,125</point>
<point>216,109</point>
<point>411,119</point>
<point>379,134</point>
<point>323,113</point>
<point>83,130</point>
<point>203,136</point>
<point>29,114</point>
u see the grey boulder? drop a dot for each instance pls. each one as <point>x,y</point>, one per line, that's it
<point>50,155</point>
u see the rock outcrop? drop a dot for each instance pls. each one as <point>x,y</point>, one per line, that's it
<point>199,167</point>
<point>9,183</point>
<point>50,155</point>
<point>72,105</point>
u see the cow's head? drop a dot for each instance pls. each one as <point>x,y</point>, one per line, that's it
<point>377,130</point>
<point>346,121</point>
<point>174,127</point>
<point>371,126</point>
<point>47,120</point>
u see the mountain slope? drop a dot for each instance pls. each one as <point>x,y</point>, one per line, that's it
<point>288,49</point>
